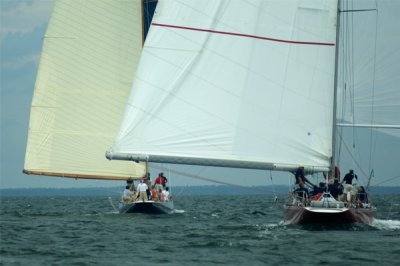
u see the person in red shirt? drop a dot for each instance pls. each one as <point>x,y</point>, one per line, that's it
<point>160,181</point>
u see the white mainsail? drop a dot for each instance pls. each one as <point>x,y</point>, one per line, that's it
<point>234,83</point>
<point>89,56</point>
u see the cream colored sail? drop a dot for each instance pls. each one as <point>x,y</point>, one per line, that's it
<point>89,57</point>
<point>234,83</point>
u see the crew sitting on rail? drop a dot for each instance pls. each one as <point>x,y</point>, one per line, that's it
<point>301,180</point>
<point>362,197</point>
<point>300,190</point>
<point>167,195</point>
<point>154,194</point>
<point>127,194</point>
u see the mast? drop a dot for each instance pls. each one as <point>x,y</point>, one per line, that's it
<point>335,85</point>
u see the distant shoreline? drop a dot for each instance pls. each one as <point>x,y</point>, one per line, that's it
<point>179,190</point>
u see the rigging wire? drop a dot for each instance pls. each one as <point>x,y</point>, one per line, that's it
<point>161,168</point>
<point>273,187</point>
<point>347,68</point>
<point>348,79</point>
<point>387,180</point>
<point>373,86</point>
<point>351,78</point>
<point>112,204</point>
<point>361,169</point>
<point>352,156</point>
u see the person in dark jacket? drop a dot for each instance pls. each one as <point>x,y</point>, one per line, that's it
<point>348,178</point>
<point>335,189</point>
<point>348,192</point>
<point>301,180</point>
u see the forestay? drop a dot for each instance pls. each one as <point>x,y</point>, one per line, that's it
<point>234,83</point>
<point>90,53</point>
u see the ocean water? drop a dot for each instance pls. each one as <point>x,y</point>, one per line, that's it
<point>203,230</point>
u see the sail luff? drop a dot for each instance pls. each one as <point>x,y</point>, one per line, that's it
<point>335,92</point>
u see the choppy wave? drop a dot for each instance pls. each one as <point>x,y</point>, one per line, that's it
<point>207,230</point>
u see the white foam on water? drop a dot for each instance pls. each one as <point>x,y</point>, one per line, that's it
<point>112,212</point>
<point>178,211</point>
<point>386,224</point>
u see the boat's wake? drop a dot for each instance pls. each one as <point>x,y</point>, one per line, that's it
<point>178,211</point>
<point>386,224</point>
<point>112,204</point>
<point>113,212</point>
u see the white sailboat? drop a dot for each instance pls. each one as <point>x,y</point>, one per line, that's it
<point>90,54</point>
<point>243,84</point>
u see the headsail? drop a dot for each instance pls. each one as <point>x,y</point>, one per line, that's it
<point>369,94</point>
<point>89,56</point>
<point>234,82</point>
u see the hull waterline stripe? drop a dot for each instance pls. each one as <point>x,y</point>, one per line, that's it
<point>242,35</point>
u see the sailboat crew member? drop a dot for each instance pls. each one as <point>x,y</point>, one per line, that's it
<point>300,190</point>
<point>129,182</point>
<point>166,194</point>
<point>348,186</point>
<point>335,189</point>
<point>142,190</point>
<point>301,180</point>
<point>160,181</point>
<point>127,194</point>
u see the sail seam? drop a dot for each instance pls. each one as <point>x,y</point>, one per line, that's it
<point>243,35</point>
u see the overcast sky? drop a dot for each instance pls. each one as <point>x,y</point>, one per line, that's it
<point>23,24</point>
